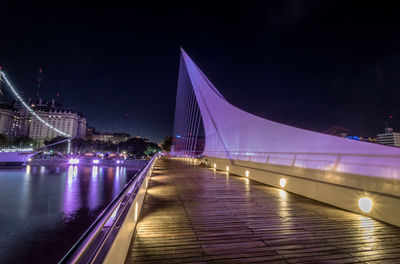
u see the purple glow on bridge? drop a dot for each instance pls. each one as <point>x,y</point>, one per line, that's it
<point>234,134</point>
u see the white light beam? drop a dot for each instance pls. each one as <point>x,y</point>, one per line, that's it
<point>29,108</point>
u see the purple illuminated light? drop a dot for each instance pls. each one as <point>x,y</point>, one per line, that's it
<point>73,161</point>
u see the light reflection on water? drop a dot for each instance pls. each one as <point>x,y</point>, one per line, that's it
<point>48,208</point>
<point>70,202</point>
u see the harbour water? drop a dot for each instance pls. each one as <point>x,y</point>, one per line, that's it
<point>45,209</point>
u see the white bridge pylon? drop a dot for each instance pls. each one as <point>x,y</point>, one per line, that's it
<point>233,134</point>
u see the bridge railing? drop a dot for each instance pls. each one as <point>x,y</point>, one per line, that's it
<point>378,165</point>
<point>94,245</point>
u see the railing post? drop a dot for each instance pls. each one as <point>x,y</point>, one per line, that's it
<point>294,160</point>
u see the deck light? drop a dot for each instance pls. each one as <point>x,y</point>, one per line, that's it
<point>136,211</point>
<point>282,182</point>
<point>227,168</point>
<point>96,161</point>
<point>247,173</point>
<point>365,204</point>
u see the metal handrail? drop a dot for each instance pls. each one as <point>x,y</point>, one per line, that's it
<point>389,161</point>
<point>254,153</point>
<point>87,247</point>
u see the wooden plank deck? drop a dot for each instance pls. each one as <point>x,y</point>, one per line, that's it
<point>197,215</point>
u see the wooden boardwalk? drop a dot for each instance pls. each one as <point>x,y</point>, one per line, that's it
<point>196,215</point>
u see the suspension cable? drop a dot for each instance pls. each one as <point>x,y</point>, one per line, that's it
<point>28,107</point>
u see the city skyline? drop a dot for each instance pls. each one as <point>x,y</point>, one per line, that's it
<point>38,105</point>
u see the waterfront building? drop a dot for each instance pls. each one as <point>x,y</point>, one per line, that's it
<point>7,115</point>
<point>60,117</point>
<point>22,119</point>
<point>389,138</point>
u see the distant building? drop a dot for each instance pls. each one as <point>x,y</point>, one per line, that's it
<point>21,120</point>
<point>121,137</point>
<point>104,137</point>
<point>60,117</point>
<point>114,138</point>
<point>82,126</point>
<point>90,131</point>
<point>7,115</point>
<point>389,138</point>
<point>17,121</point>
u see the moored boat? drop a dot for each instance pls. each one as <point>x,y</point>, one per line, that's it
<point>15,157</point>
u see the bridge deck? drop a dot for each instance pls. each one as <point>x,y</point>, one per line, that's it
<point>196,215</point>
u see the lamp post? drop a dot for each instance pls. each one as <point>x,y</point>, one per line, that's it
<point>69,147</point>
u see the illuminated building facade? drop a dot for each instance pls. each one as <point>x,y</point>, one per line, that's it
<point>62,118</point>
<point>21,120</point>
<point>389,138</point>
<point>7,115</point>
<point>114,138</point>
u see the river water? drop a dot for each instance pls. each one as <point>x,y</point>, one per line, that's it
<point>45,209</point>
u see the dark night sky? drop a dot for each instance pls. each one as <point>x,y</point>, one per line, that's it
<point>311,64</point>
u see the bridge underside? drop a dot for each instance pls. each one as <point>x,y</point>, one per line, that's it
<point>194,214</point>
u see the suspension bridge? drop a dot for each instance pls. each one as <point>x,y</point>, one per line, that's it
<point>257,191</point>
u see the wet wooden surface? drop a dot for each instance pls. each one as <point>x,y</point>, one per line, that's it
<point>197,215</point>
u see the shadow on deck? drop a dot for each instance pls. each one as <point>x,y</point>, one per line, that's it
<point>197,215</point>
